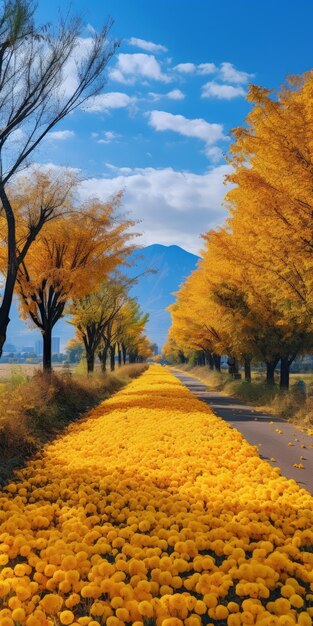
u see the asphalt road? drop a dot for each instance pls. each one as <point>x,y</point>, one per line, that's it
<point>271,434</point>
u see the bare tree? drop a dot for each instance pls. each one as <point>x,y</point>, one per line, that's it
<point>44,76</point>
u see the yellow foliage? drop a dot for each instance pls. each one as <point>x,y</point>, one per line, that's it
<point>252,295</point>
<point>70,258</point>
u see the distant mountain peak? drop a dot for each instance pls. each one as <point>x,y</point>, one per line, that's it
<point>154,290</point>
<point>171,248</point>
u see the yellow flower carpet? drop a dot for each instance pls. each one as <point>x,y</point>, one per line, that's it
<point>154,511</point>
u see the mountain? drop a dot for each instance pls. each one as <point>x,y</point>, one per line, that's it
<point>169,266</point>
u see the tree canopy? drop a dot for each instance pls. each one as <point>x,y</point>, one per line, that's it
<point>252,294</point>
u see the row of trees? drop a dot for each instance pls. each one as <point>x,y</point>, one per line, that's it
<point>252,294</point>
<point>71,268</point>
<point>111,324</point>
<point>58,254</point>
<point>35,95</point>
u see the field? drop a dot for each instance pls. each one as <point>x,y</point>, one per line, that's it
<point>23,369</point>
<point>154,511</point>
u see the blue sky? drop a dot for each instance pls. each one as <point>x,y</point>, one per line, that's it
<point>161,130</point>
<point>175,89</point>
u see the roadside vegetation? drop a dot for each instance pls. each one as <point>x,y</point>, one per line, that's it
<point>251,296</point>
<point>37,408</point>
<point>294,404</point>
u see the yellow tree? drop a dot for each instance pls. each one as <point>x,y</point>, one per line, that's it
<point>144,349</point>
<point>33,100</point>
<point>69,260</point>
<point>131,333</point>
<point>255,284</point>
<point>108,320</point>
<point>37,198</point>
<point>196,320</point>
<point>225,308</point>
<point>244,311</point>
<point>171,351</point>
<point>272,204</point>
<point>93,315</point>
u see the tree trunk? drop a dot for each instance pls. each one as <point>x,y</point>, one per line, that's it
<point>284,372</point>
<point>217,361</point>
<point>248,370</point>
<point>124,353</point>
<point>270,371</point>
<point>112,358</point>
<point>103,355</point>
<point>90,362</point>
<point>11,268</point>
<point>119,356</point>
<point>232,365</point>
<point>47,350</point>
<point>4,322</point>
<point>132,357</point>
<point>209,360</point>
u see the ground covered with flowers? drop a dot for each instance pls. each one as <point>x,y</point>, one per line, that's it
<point>154,511</point>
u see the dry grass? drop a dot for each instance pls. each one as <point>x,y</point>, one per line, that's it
<point>35,409</point>
<point>292,405</point>
<point>7,370</point>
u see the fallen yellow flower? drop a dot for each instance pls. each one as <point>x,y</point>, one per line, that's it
<point>154,511</point>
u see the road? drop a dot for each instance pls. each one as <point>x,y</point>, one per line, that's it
<point>280,443</point>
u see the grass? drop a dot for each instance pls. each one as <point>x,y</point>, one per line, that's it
<point>35,409</point>
<point>292,404</point>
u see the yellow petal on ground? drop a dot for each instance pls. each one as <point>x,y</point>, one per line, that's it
<point>154,511</point>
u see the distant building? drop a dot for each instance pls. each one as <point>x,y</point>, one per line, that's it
<point>28,349</point>
<point>55,345</point>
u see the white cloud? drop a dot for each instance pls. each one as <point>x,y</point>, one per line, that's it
<point>105,101</point>
<point>175,94</point>
<point>131,67</point>
<point>222,92</point>
<point>17,136</point>
<point>49,168</point>
<point>60,135</point>
<point>226,72</point>
<point>146,45</point>
<point>214,153</point>
<point>207,68</point>
<point>91,29</point>
<point>185,68</point>
<point>108,137</point>
<point>197,128</point>
<point>229,73</point>
<point>70,78</point>
<point>191,68</point>
<point>118,170</point>
<point>172,206</point>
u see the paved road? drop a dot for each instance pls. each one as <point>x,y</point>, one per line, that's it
<point>271,434</point>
